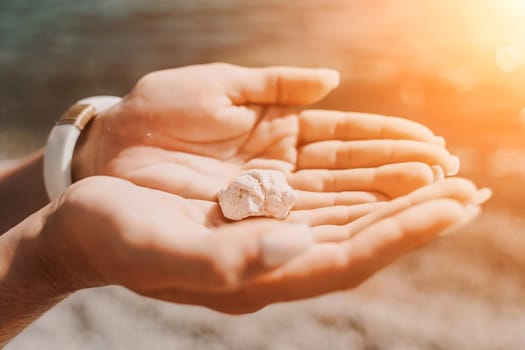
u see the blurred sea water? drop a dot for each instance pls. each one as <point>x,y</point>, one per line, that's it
<point>455,66</point>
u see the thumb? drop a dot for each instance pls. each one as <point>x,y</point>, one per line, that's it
<point>250,248</point>
<point>281,85</point>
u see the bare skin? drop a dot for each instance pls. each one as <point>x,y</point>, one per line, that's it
<point>180,135</point>
<point>22,186</point>
<point>106,231</point>
<point>189,131</point>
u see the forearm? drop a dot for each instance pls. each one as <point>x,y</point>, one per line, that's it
<point>22,191</point>
<point>28,287</point>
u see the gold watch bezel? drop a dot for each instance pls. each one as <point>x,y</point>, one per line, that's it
<point>78,115</point>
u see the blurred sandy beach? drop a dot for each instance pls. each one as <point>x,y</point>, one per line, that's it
<point>457,66</point>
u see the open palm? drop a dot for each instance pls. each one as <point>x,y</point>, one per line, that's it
<point>190,130</point>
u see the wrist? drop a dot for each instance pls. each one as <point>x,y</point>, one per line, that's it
<point>22,191</point>
<point>27,260</point>
<point>33,274</point>
<point>45,252</point>
<point>63,138</point>
<point>28,285</point>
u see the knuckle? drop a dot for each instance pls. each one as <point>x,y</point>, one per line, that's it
<point>460,185</point>
<point>277,83</point>
<point>420,172</point>
<point>395,231</point>
<point>91,195</point>
<point>412,173</point>
<point>146,80</point>
<point>91,189</point>
<point>382,127</point>
<point>80,191</point>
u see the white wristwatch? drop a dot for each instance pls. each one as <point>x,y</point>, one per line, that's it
<point>63,137</point>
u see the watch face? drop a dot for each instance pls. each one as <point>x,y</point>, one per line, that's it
<point>78,115</point>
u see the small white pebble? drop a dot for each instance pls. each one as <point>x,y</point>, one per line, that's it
<point>257,193</point>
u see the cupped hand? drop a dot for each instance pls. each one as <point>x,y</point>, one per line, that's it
<point>106,231</point>
<point>190,130</point>
<point>348,252</point>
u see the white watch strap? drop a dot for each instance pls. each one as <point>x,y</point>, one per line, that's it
<point>62,139</point>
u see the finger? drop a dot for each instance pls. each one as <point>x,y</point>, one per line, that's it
<point>331,267</point>
<point>280,85</point>
<point>392,180</point>
<point>274,139</point>
<point>458,189</point>
<point>252,247</point>
<point>336,215</point>
<point>381,243</point>
<point>312,200</point>
<point>373,153</point>
<point>322,125</point>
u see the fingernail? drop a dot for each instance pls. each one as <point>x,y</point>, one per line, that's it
<point>453,165</point>
<point>438,140</point>
<point>470,213</point>
<point>334,77</point>
<point>439,174</point>
<point>481,196</point>
<point>283,244</point>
